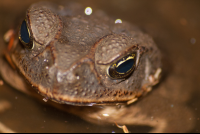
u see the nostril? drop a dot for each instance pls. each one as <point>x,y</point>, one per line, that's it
<point>77,76</point>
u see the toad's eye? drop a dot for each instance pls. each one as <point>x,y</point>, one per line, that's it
<point>24,36</point>
<point>123,67</point>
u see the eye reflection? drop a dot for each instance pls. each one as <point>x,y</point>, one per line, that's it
<point>123,67</point>
<point>24,35</point>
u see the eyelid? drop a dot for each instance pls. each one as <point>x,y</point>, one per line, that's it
<point>119,56</point>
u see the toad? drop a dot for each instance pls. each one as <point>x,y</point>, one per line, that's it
<point>86,60</point>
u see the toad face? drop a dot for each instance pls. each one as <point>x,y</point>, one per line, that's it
<point>79,59</point>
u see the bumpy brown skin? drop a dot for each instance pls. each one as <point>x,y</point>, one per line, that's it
<point>72,52</point>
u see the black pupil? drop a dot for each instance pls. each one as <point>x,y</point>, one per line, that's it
<point>24,33</point>
<point>126,66</point>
